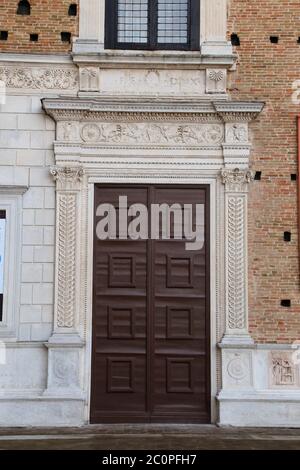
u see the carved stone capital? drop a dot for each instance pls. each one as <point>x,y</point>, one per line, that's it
<point>67,178</point>
<point>236,180</point>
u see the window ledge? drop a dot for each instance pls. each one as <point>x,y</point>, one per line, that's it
<point>211,54</point>
<point>12,189</point>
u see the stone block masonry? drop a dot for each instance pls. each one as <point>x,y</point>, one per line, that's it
<point>266,71</point>
<point>48,19</point>
<point>26,150</point>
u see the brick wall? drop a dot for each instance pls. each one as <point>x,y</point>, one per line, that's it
<point>266,72</point>
<point>48,19</point>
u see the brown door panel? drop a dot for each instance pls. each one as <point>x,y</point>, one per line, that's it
<point>151,320</point>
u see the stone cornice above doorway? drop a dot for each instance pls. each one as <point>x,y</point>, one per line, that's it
<point>107,108</point>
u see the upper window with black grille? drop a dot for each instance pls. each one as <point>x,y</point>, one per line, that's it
<point>152,24</point>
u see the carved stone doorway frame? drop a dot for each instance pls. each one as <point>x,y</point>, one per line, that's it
<point>216,200</point>
<point>180,143</point>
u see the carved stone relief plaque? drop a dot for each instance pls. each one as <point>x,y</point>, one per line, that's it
<point>236,133</point>
<point>215,81</point>
<point>89,79</point>
<point>284,372</point>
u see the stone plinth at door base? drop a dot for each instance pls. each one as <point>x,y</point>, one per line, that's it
<point>260,386</point>
<point>260,409</point>
<point>41,411</point>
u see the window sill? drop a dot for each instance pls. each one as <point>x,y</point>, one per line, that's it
<point>93,53</point>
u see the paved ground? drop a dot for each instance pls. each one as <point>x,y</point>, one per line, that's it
<point>150,437</point>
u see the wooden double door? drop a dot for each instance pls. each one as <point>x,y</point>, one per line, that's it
<point>150,353</point>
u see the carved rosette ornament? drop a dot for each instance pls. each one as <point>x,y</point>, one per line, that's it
<point>68,181</point>
<point>236,186</point>
<point>236,368</point>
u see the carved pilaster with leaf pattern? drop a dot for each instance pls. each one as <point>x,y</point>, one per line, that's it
<point>68,185</point>
<point>65,344</point>
<point>236,188</point>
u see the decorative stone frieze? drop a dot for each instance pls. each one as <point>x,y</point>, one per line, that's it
<point>40,78</point>
<point>150,134</point>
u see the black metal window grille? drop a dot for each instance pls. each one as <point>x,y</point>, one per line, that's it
<point>172,22</point>
<point>133,21</point>
<point>152,24</point>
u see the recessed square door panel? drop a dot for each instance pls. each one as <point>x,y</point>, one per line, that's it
<point>121,323</point>
<point>150,358</point>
